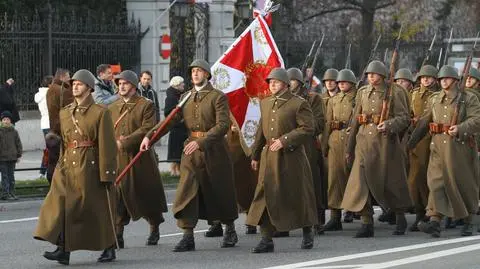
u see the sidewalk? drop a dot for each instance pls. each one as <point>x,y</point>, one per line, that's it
<point>32,159</point>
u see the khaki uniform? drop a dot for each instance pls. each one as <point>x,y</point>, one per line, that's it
<point>244,176</point>
<point>76,204</point>
<point>285,188</point>
<point>206,189</point>
<point>313,149</point>
<point>140,193</point>
<point>453,170</point>
<point>334,140</point>
<point>378,170</point>
<point>418,156</point>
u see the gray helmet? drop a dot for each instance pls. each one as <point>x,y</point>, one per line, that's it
<point>129,76</point>
<point>404,73</point>
<point>474,73</point>
<point>428,71</point>
<point>448,71</point>
<point>330,74</point>
<point>84,76</point>
<point>278,74</point>
<point>202,64</point>
<point>295,74</point>
<point>346,75</point>
<point>377,67</point>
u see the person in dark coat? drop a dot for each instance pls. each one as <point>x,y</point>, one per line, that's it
<point>178,133</point>
<point>7,100</point>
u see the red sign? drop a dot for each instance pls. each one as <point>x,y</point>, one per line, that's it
<point>165,46</point>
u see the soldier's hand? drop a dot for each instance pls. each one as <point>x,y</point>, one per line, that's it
<point>276,145</point>
<point>381,127</point>
<point>144,146</point>
<point>453,130</point>
<point>254,165</point>
<point>234,128</point>
<point>191,147</point>
<point>10,81</point>
<point>119,144</point>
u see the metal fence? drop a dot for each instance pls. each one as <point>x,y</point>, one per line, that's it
<point>34,46</point>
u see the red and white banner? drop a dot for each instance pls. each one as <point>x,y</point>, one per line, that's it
<point>241,72</point>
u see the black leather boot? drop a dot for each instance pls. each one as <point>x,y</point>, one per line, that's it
<point>265,245</point>
<point>251,229</point>
<point>119,232</point>
<point>154,236</point>
<point>334,225</point>
<point>347,218</point>
<point>215,230</point>
<point>319,229</point>
<point>450,224</point>
<point>187,243</point>
<point>59,255</point>
<point>108,255</point>
<point>307,241</point>
<point>431,227</point>
<point>401,225</point>
<point>414,226</point>
<point>365,231</point>
<point>230,237</point>
<point>467,229</point>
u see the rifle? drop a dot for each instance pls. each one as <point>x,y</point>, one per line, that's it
<point>385,56</point>
<point>307,59</point>
<point>463,82</point>
<point>387,98</point>
<point>448,45</point>
<point>348,61</point>
<point>315,62</point>
<point>429,52</point>
<point>370,58</point>
<point>439,58</point>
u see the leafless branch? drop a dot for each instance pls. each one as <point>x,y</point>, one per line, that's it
<point>386,4</point>
<point>323,12</point>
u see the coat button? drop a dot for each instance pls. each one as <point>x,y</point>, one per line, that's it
<point>73,163</point>
<point>273,111</point>
<point>444,141</point>
<point>107,172</point>
<point>74,152</point>
<point>76,131</point>
<point>273,119</point>
<point>271,128</point>
<point>93,162</point>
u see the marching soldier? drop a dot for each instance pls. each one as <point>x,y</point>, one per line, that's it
<point>453,167</point>
<point>140,193</point>
<point>404,78</point>
<point>312,146</point>
<point>334,139</point>
<point>76,214</point>
<point>329,81</point>
<point>284,199</point>
<point>206,189</point>
<point>473,85</point>
<point>378,170</point>
<point>418,156</point>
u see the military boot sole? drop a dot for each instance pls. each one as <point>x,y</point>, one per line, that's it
<point>62,259</point>
<point>184,248</point>
<point>214,232</point>
<point>429,229</point>
<point>152,240</point>
<point>467,230</point>
<point>263,249</point>
<point>365,232</point>
<point>107,256</point>
<point>229,241</point>
<point>332,226</point>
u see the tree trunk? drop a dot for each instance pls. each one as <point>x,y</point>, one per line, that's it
<point>368,14</point>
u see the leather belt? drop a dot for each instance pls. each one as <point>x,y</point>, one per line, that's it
<point>368,118</point>
<point>80,144</point>
<point>438,128</point>
<point>338,125</point>
<point>198,134</point>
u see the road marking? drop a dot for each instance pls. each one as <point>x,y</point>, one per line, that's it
<point>177,234</point>
<point>376,253</point>
<point>18,220</point>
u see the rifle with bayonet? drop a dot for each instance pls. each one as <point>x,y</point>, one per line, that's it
<point>448,46</point>
<point>308,58</point>
<point>387,98</point>
<point>463,82</point>
<point>429,52</point>
<point>439,58</point>
<point>348,62</point>
<point>312,67</point>
<point>370,58</point>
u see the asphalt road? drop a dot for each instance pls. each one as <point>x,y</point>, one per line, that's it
<point>334,250</point>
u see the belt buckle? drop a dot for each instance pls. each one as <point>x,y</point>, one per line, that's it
<point>75,144</point>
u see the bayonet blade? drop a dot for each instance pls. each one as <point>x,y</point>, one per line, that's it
<point>433,41</point>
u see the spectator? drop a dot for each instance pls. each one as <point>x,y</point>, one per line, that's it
<point>178,133</point>
<point>41,100</point>
<point>10,154</point>
<point>7,100</point>
<point>145,89</point>
<point>104,88</point>
<point>59,95</point>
